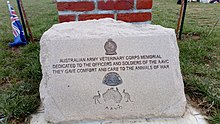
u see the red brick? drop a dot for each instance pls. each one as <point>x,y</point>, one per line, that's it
<point>108,5</point>
<point>94,16</point>
<point>124,4</point>
<point>66,18</point>
<point>134,17</point>
<point>144,4</point>
<point>116,5</point>
<point>76,6</point>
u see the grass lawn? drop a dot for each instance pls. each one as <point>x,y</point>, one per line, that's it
<point>20,71</point>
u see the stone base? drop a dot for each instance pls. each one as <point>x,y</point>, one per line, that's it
<point>192,116</point>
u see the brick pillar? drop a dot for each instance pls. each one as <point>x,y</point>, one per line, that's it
<point>125,10</point>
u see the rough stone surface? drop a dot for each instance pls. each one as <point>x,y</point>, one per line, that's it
<point>192,116</point>
<point>106,69</point>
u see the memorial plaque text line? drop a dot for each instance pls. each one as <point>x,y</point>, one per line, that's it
<point>109,64</point>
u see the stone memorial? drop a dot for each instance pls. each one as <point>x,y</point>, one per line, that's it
<point>110,70</point>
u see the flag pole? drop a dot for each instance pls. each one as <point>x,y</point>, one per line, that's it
<point>183,17</point>
<point>8,6</point>
<point>19,38</point>
<point>26,20</point>
<point>22,19</point>
<point>180,17</point>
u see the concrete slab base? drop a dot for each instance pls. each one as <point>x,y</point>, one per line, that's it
<point>192,116</point>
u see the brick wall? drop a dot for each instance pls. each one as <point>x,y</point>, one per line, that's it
<point>125,10</point>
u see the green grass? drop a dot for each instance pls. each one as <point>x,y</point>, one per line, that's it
<point>20,71</point>
<point>20,74</point>
<point>199,57</point>
<point>41,14</point>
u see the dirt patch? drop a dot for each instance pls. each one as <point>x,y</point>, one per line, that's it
<point>195,37</point>
<point>5,83</point>
<point>202,105</point>
<point>192,36</point>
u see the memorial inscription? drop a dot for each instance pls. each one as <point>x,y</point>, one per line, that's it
<point>108,64</point>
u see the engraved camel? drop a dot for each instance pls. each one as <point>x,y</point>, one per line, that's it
<point>97,97</point>
<point>127,96</point>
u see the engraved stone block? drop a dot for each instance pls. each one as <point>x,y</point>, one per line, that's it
<point>106,69</point>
